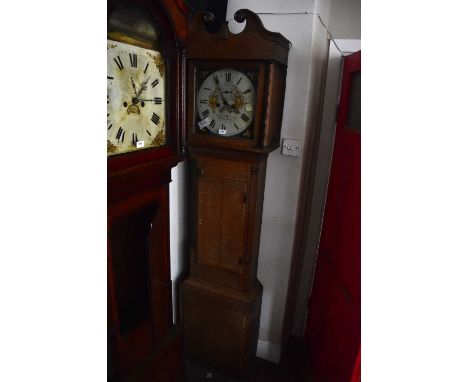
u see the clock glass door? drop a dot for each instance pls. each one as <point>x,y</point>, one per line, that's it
<point>130,254</point>
<point>135,98</point>
<point>226,102</point>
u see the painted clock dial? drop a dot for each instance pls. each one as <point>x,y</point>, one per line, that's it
<point>226,102</point>
<point>135,98</point>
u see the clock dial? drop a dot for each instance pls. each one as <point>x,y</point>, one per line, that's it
<point>135,98</point>
<point>226,102</point>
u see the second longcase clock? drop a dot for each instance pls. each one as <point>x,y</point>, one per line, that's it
<point>235,102</point>
<point>144,86</point>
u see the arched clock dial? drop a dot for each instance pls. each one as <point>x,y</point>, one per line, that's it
<point>226,102</point>
<point>135,98</point>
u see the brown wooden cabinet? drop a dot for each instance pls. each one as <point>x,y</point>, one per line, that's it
<point>229,200</point>
<point>221,300</point>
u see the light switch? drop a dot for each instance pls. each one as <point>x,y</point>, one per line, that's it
<point>290,147</point>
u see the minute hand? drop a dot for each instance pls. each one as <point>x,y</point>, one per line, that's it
<point>225,103</point>
<point>155,99</point>
<point>143,87</point>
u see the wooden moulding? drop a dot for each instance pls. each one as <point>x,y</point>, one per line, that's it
<point>253,43</point>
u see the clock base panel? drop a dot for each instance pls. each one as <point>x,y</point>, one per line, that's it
<point>221,324</point>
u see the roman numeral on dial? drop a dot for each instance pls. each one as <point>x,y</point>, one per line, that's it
<point>247,91</point>
<point>215,78</point>
<point>244,118</point>
<point>155,82</point>
<point>133,60</point>
<point>134,139</point>
<point>120,135</point>
<point>228,77</point>
<point>118,61</point>
<point>205,113</point>
<point>146,67</point>
<point>212,123</point>
<point>155,118</point>
<point>157,100</point>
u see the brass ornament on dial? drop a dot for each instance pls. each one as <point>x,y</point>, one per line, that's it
<point>226,102</point>
<point>135,98</point>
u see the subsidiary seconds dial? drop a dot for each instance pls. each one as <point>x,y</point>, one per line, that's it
<point>226,102</point>
<point>135,98</point>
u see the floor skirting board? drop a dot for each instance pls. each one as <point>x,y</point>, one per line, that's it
<point>269,351</point>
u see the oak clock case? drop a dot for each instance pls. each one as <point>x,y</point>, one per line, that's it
<point>236,86</point>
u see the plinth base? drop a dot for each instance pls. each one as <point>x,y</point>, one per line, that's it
<point>220,324</point>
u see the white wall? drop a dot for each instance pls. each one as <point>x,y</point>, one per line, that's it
<point>178,236</point>
<point>345,19</point>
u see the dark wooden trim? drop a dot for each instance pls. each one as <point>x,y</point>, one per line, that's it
<point>269,46</point>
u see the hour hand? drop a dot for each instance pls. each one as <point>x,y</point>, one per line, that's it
<point>225,103</point>
<point>134,87</point>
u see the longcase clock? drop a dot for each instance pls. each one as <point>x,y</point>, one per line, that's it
<point>236,85</point>
<point>145,110</point>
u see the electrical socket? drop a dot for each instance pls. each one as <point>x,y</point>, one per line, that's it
<point>290,147</point>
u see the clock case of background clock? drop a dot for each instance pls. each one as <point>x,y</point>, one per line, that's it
<point>143,342</point>
<point>254,49</point>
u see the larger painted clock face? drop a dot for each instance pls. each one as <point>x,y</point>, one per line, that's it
<point>135,98</point>
<point>226,102</point>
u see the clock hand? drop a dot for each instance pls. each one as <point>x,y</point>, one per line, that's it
<point>143,87</point>
<point>133,85</point>
<point>156,100</point>
<point>224,99</point>
<point>225,103</point>
<point>226,107</point>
